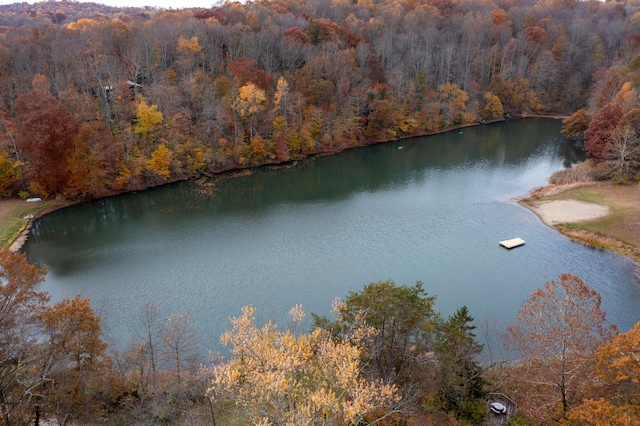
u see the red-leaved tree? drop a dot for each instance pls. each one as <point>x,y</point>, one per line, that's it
<point>600,129</point>
<point>46,132</point>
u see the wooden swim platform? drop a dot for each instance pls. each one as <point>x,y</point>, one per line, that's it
<point>512,243</point>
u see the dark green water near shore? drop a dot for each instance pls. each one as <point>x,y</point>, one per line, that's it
<point>433,211</point>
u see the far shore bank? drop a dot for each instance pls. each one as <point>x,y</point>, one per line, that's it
<point>19,218</point>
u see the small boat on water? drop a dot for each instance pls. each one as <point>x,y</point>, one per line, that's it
<point>400,147</point>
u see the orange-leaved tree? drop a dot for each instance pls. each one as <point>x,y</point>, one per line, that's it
<point>94,161</point>
<point>602,412</point>
<point>618,363</point>
<point>20,346</point>
<point>619,360</point>
<point>575,125</point>
<point>53,360</point>
<point>80,368</point>
<point>601,127</point>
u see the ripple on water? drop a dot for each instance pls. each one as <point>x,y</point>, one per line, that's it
<point>434,212</point>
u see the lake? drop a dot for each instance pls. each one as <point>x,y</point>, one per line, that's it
<point>432,211</point>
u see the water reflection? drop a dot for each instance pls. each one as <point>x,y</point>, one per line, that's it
<point>433,211</point>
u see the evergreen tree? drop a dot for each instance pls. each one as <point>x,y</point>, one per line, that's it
<point>400,321</point>
<point>459,380</point>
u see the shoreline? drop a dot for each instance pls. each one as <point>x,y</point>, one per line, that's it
<point>17,244</point>
<point>557,212</point>
<point>560,214</point>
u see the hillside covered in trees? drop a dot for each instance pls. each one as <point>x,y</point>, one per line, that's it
<point>97,100</point>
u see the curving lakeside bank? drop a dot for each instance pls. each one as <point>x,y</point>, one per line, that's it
<point>307,234</point>
<point>17,215</point>
<point>600,215</point>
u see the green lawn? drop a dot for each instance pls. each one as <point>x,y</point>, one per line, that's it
<point>12,218</point>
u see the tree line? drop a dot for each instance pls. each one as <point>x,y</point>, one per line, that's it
<point>96,100</point>
<point>609,125</point>
<point>385,357</point>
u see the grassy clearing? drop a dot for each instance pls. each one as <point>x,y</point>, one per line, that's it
<point>596,195</point>
<point>601,226</point>
<point>591,194</point>
<point>607,225</point>
<point>620,230</point>
<point>12,217</point>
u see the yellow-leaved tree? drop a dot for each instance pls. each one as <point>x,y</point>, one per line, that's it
<point>453,103</point>
<point>147,118</point>
<point>9,174</point>
<point>190,48</point>
<point>492,107</point>
<point>160,161</point>
<point>283,378</point>
<point>250,101</point>
<point>280,97</point>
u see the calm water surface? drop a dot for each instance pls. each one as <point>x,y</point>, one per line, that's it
<point>433,211</point>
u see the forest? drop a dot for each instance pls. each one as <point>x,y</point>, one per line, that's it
<point>97,100</point>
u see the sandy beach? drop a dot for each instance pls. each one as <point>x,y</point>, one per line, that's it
<point>566,211</point>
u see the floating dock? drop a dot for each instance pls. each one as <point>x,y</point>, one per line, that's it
<point>512,243</point>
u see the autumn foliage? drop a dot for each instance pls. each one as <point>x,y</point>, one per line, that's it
<point>46,132</point>
<point>53,359</point>
<point>97,100</point>
<point>387,358</point>
<point>601,127</point>
<point>557,334</point>
<point>124,98</point>
<point>278,377</point>
<point>619,360</point>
